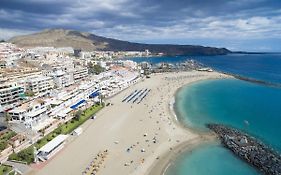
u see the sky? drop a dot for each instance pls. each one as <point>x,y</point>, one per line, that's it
<point>248,25</point>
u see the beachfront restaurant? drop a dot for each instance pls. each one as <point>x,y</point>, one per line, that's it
<point>51,148</point>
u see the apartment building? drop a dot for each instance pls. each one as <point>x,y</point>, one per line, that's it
<point>10,93</point>
<point>62,79</point>
<point>39,84</point>
<point>31,113</point>
<point>80,73</point>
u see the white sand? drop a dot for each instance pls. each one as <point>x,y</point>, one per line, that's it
<point>127,123</point>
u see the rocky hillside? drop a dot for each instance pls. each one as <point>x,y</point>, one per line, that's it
<point>90,42</point>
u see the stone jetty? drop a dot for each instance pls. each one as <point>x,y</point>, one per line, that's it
<point>249,149</point>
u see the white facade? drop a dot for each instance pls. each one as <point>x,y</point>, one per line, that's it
<point>31,113</point>
<point>10,93</point>
<point>51,148</point>
<point>40,84</point>
<point>63,79</point>
<point>80,73</point>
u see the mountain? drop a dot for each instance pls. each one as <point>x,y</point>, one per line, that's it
<point>90,42</point>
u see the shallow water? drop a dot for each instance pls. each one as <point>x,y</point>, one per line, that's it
<point>232,102</point>
<point>228,102</point>
<point>211,159</point>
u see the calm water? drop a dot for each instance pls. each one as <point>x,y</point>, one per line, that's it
<point>232,102</point>
<point>195,163</point>
<point>229,102</point>
<point>259,66</point>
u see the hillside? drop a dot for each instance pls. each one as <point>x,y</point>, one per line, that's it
<point>90,42</point>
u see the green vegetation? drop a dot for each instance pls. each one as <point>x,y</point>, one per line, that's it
<point>27,155</point>
<point>29,93</point>
<point>3,145</point>
<point>4,169</point>
<point>78,115</point>
<point>4,138</point>
<point>94,69</point>
<point>66,128</point>
<point>2,41</point>
<point>12,173</point>
<point>7,135</point>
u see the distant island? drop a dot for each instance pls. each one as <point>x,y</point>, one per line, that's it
<point>90,42</point>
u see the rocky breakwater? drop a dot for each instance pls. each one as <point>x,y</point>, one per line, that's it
<point>249,149</point>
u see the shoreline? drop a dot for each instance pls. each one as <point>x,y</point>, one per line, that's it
<point>168,158</point>
<point>171,156</point>
<point>149,130</point>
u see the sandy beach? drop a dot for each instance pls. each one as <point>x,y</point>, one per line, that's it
<point>139,138</point>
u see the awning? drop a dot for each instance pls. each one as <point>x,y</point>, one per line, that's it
<point>94,94</point>
<point>77,104</point>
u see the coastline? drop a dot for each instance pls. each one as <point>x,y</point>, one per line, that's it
<point>127,125</point>
<point>160,167</point>
<point>170,156</point>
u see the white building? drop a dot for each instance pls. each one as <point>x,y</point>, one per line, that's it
<point>39,84</point>
<point>51,148</point>
<point>31,113</point>
<point>51,50</point>
<point>80,73</point>
<point>10,93</point>
<point>62,79</point>
<point>130,64</point>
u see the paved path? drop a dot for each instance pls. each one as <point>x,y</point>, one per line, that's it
<point>22,168</point>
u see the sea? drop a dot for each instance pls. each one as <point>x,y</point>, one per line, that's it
<point>254,108</point>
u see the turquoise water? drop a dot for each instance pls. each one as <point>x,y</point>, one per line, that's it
<point>232,102</point>
<point>229,102</point>
<point>208,160</point>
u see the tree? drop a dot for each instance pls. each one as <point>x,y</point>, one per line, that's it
<point>78,115</point>
<point>94,69</point>
<point>2,41</point>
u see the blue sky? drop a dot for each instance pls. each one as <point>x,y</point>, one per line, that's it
<point>250,25</point>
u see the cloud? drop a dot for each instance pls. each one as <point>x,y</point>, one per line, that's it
<point>9,33</point>
<point>147,19</point>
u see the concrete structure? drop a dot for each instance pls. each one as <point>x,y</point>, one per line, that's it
<point>10,93</point>
<point>31,113</point>
<point>39,84</point>
<point>80,73</point>
<point>62,79</point>
<point>51,148</point>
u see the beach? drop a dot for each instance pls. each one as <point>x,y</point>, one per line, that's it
<point>139,138</point>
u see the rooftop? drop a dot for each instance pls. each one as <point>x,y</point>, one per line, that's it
<point>53,143</point>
